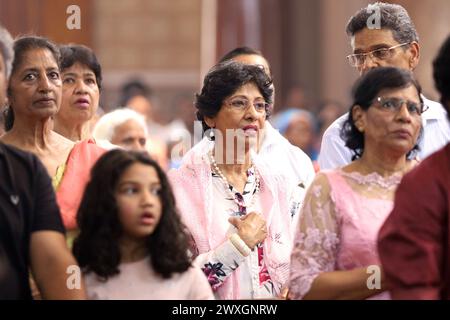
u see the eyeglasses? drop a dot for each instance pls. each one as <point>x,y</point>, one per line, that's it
<point>358,59</point>
<point>241,104</point>
<point>394,105</point>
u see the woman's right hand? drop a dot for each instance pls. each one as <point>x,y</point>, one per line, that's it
<point>251,228</point>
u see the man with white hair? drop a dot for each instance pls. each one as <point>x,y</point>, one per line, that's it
<point>122,127</point>
<point>127,129</point>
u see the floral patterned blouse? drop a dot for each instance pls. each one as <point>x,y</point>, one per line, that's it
<point>218,264</point>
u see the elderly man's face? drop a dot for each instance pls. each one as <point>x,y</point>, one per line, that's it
<point>367,40</point>
<point>130,135</point>
<point>3,82</point>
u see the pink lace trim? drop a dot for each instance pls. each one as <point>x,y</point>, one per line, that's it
<point>374,178</point>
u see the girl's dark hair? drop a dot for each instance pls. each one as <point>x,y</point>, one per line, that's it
<point>365,91</point>
<point>223,80</point>
<point>21,47</point>
<point>97,246</point>
<point>73,53</point>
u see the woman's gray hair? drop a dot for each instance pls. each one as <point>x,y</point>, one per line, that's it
<point>392,16</point>
<point>106,125</point>
<point>6,49</point>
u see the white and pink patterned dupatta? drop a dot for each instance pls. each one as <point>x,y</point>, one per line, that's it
<point>192,184</point>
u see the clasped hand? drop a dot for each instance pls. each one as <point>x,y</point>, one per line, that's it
<point>251,228</point>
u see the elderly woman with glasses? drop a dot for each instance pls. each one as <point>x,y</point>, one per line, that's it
<point>335,249</point>
<point>236,207</point>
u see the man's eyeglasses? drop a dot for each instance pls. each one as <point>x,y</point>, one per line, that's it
<point>241,104</point>
<point>356,60</point>
<point>395,104</point>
